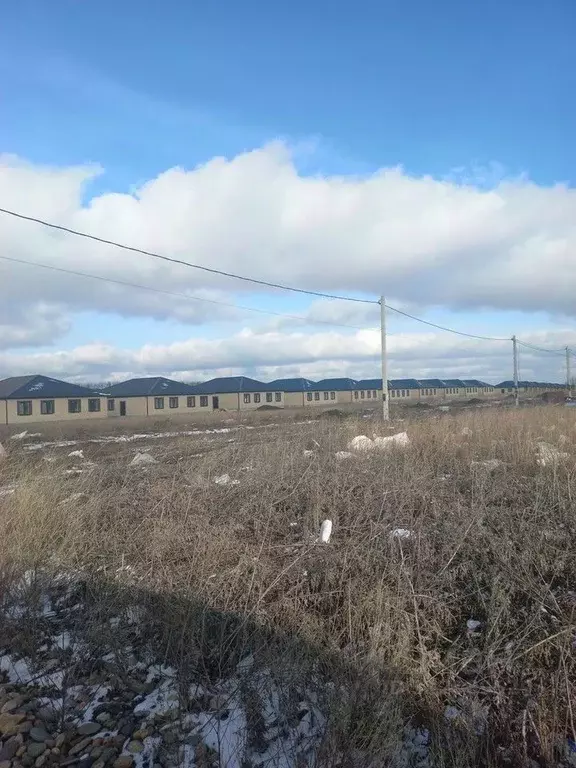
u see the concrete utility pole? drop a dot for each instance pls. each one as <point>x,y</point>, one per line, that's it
<point>515,351</point>
<point>568,372</point>
<point>385,403</point>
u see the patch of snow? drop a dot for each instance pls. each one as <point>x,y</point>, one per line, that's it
<point>20,435</point>
<point>466,432</point>
<point>342,455</point>
<point>142,458</point>
<point>444,408</point>
<point>308,454</point>
<point>225,480</point>
<point>56,444</point>
<point>78,454</point>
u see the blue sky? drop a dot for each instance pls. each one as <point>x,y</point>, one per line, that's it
<point>450,89</point>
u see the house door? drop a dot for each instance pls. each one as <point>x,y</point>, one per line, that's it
<point>122,407</point>
<point>215,402</point>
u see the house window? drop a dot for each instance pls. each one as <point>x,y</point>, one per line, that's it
<point>24,407</point>
<point>369,394</point>
<point>407,393</point>
<point>158,403</point>
<point>362,395</point>
<point>392,393</point>
<point>278,397</point>
<point>326,395</point>
<point>374,394</point>
<point>332,395</point>
<point>434,391</point>
<point>316,395</point>
<point>257,397</point>
<point>93,405</point>
<point>355,395</point>
<point>172,402</point>
<point>246,397</point>
<point>309,396</point>
<point>191,401</point>
<point>203,401</point>
<point>268,397</point>
<point>47,407</point>
<point>111,405</point>
<point>74,406</point>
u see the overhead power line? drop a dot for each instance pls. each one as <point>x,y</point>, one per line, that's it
<point>443,327</point>
<point>541,349</point>
<point>179,295</point>
<point>172,260</point>
<point>223,273</point>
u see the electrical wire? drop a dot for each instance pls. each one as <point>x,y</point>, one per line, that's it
<point>541,349</point>
<point>180,295</point>
<point>211,270</point>
<point>443,327</point>
<point>244,278</point>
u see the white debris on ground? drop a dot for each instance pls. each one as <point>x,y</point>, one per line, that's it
<point>473,625</point>
<point>7,490</point>
<point>142,459</point>
<point>363,444</point>
<point>225,480</point>
<point>308,454</point>
<point>342,455</point>
<point>325,532</point>
<point>549,455</point>
<point>19,435</point>
<point>444,408</point>
<point>489,464</point>
<point>400,439</point>
<point>466,432</point>
<point>78,454</point>
<point>401,533</point>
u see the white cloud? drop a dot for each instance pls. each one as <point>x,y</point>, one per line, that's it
<point>422,240</point>
<point>272,354</point>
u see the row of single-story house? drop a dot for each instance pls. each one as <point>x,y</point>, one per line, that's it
<point>41,398</point>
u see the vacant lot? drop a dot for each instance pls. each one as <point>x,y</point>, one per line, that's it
<point>436,627</point>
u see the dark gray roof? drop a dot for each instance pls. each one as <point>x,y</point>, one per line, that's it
<point>529,384</point>
<point>291,385</point>
<point>475,383</point>
<point>454,383</point>
<point>230,385</point>
<point>337,385</point>
<point>155,385</point>
<point>41,387</point>
<point>437,383</point>
<point>403,384</point>
<point>369,384</point>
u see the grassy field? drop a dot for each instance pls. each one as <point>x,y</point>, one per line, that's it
<point>462,625</point>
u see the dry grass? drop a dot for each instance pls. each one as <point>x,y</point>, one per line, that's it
<point>233,566</point>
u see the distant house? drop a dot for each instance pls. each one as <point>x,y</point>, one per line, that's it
<point>239,393</point>
<point>32,398</point>
<point>148,396</point>
<point>330,391</point>
<point>294,390</point>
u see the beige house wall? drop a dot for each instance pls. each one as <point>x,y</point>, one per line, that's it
<point>11,416</point>
<point>252,405</point>
<point>135,406</point>
<point>294,399</point>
